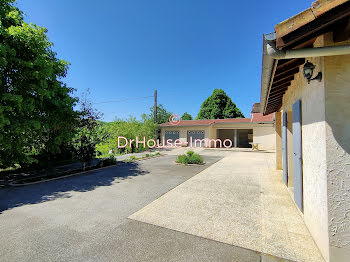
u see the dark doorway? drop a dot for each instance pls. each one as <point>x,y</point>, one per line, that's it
<point>244,137</point>
<point>239,137</point>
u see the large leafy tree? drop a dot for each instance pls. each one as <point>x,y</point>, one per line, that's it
<point>186,116</point>
<point>36,109</point>
<point>219,106</point>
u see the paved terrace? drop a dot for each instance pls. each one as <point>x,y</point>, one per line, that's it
<point>239,200</point>
<point>84,218</point>
<point>234,209</point>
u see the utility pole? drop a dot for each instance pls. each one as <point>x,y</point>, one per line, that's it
<point>155,107</point>
<point>155,115</point>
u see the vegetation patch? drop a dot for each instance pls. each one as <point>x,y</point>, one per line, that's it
<point>190,158</point>
<point>134,158</point>
<point>36,177</point>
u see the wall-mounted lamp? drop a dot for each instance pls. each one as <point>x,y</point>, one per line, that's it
<point>308,71</point>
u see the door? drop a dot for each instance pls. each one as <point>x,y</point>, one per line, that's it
<point>195,134</point>
<point>284,149</point>
<point>173,135</point>
<point>297,155</point>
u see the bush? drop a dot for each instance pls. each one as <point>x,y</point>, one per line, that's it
<point>108,161</point>
<point>190,158</point>
<point>132,158</point>
<point>190,153</point>
<point>196,159</point>
<point>183,159</point>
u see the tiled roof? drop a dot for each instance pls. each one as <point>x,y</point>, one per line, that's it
<point>206,122</point>
<point>259,117</point>
<point>255,118</point>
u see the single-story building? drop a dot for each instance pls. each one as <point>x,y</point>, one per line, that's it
<point>242,132</point>
<point>306,83</point>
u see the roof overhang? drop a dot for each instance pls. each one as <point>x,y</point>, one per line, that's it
<point>242,123</point>
<point>186,125</point>
<point>311,23</point>
<point>298,32</point>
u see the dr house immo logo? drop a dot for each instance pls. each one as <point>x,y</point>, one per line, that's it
<point>174,119</point>
<point>170,143</point>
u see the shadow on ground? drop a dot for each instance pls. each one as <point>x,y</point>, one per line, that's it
<point>32,194</point>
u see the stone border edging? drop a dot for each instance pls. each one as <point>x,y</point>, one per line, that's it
<point>128,160</point>
<point>59,177</point>
<point>78,173</point>
<point>201,164</point>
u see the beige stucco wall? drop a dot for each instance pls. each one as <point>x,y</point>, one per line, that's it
<point>337,111</point>
<point>212,133</point>
<point>313,151</point>
<point>265,135</point>
<point>278,128</point>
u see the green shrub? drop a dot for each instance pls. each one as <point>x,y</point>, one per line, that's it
<point>190,153</point>
<point>108,161</point>
<point>191,158</point>
<point>132,158</point>
<point>157,154</point>
<point>196,159</point>
<point>112,160</point>
<point>148,155</point>
<point>183,159</point>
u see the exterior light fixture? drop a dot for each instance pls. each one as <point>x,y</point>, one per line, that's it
<point>308,71</point>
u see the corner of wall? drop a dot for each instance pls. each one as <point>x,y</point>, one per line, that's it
<point>337,114</point>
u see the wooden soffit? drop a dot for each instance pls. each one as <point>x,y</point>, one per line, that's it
<point>282,79</point>
<point>311,22</point>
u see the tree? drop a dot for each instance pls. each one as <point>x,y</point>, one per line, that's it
<point>36,109</point>
<point>130,129</point>
<point>186,116</point>
<point>89,132</point>
<point>162,114</point>
<point>219,106</point>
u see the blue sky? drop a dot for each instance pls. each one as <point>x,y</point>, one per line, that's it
<point>183,48</point>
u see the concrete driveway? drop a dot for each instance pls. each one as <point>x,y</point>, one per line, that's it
<point>240,200</point>
<point>84,218</point>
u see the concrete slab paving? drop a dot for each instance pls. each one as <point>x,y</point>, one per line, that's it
<point>241,201</point>
<point>85,217</point>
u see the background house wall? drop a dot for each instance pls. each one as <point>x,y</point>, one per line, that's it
<point>313,150</point>
<point>337,111</point>
<point>212,132</point>
<point>265,135</point>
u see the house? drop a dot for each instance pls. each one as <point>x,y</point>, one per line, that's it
<point>235,132</point>
<point>306,83</point>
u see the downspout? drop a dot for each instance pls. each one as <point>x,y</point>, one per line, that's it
<point>268,65</point>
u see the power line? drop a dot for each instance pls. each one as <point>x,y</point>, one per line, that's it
<point>117,101</point>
